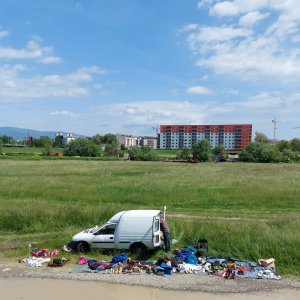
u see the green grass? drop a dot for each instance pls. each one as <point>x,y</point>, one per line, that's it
<point>34,150</point>
<point>26,150</point>
<point>248,211</point>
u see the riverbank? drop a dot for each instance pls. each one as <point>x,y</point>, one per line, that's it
<point>11,270</point>
<point>47,289</point>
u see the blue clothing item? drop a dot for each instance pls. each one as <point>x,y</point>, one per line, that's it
<point>191,259</point>
<point>121,258</point>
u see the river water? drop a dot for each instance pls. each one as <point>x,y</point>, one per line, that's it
<point>49,289</point>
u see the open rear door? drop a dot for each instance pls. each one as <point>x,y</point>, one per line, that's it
<point>157,241</point>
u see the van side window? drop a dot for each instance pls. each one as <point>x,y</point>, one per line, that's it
<point>109,229</point>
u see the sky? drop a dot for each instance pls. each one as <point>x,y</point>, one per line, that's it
<point>128,66</point>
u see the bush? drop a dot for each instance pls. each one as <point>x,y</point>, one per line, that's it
<point>260,152</point>
<point>150,156</point>
<point>82,147</point>
<point>185,153</point>
<point>134,153</point>
<point>47,151</point>
<point>202,150</point>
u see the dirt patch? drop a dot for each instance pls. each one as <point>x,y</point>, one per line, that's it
<point>10,269</point>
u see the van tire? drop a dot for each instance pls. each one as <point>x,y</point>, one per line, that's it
<point>138,249</point>
<point>82,247</point>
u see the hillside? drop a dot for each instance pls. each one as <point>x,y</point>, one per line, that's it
<point>21,133</point>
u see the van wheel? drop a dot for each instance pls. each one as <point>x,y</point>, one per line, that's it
<point>138,249</point>
<point>83,247</point>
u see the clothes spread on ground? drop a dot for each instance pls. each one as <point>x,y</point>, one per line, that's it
<point>185,261</point>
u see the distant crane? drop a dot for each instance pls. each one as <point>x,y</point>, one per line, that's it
<point>156,129</point>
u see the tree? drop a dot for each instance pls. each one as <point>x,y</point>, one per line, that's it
<point>43,141</point>
<point>185,153</point>
<point>135,152</point>
<point>260,152</point>
<point>150,156</point>
<point>202,150</point>
<point>109,139</point>
<point>295,144</point>
<point>82,147</point>
<point>283,145</point>
<point>111,149</point>
<point>6,139</point>
<point>220,153</point>
<point>110,143</point>
<point>47,150</point>
<point>261,137</point>
<point>97,139</point>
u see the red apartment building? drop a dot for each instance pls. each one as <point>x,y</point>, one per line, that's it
<point>233,137</point>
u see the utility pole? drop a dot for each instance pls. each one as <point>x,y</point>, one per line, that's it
<point>274,121</point>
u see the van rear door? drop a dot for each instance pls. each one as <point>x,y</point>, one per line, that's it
<point>156,232</point>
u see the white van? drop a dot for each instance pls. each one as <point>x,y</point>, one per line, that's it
<point>136,230</point>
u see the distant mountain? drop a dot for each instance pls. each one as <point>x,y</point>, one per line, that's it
<point>21,133</point>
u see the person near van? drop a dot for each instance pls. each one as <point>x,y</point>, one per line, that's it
<point>164,227</point>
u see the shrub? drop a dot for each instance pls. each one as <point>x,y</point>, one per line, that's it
<point>202,150</point>
<point>82,147</point>
<point>150,156</point>
<point>260,152</point>
<point>48,150</point>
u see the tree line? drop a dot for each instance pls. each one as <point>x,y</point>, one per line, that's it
<point>260,150</point>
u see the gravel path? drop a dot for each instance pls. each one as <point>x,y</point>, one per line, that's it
<point>182,282</point>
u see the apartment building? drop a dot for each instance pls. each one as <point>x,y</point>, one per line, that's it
<point>128,140</point>
<point>148,141</point>
<point>232,137</point>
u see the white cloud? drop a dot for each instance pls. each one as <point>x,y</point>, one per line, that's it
<point>140,117</point>
<point>262,52</point>
<point>3,34</point>
<point>14,87</point>
<point>64,113</point>
<point>205,3</point>
<point>174,92</point>
<point>224,8</point>
<point>189,27</point>
<point>252,18</point>
<point>32,50</point>
<point>147,113</point>
<point>236,7</point>
<point>50,60</point>
<point>207,38</point>
<point>198,90</point>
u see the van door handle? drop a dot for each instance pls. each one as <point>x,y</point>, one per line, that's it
<point>111,238</point>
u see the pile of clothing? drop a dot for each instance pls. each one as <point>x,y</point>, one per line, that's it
<point>186,261</point>
<point>122,264</point>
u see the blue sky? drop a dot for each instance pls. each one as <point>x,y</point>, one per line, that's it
<point>126,66</point>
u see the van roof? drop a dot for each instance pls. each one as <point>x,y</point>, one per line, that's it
<point>137,213</point>
<point>142,213</point>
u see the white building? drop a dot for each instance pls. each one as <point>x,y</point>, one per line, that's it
<point>68,138</point>
<point>128,140</point>
<point>147,141</point>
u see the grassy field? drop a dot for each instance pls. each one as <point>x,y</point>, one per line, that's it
<point>247,211</point>
<point>26,150</point>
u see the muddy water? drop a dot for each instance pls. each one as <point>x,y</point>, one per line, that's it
<point>46,289</point>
